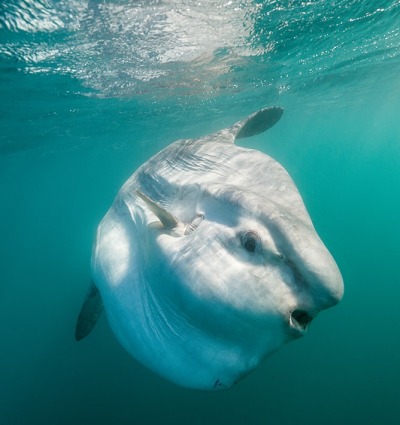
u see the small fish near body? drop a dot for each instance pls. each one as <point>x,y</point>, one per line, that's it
<point>207,261</point>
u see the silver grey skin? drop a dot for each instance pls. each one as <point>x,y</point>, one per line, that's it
<point>207,261</point>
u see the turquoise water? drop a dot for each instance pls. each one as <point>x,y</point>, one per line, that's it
<point>90,90</point>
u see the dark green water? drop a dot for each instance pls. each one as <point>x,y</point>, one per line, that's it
<point>90,90</point>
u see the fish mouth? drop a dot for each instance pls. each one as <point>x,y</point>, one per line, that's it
<point>299,321</point>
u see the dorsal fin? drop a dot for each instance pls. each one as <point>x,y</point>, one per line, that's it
<point>258,122</point>
<point>254,124</point>
<point>90,312</point>
<point>166,218</point>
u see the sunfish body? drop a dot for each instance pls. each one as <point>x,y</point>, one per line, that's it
<point>207,261</point>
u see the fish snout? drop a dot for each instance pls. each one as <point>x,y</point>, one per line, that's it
<point>327,289</point>
<point>319,286</point>
<point>316,276</point>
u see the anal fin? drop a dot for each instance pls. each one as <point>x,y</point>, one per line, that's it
<point>90,312</point>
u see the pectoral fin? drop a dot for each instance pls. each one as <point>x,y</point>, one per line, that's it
<point>90,312</point>
<point>166,218</point>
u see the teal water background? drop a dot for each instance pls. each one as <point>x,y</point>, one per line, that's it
<point>90,90</point>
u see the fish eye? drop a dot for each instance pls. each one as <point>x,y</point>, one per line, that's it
<point>250,240</point>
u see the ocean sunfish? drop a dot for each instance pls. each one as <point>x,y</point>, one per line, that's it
<point>207,261</point>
